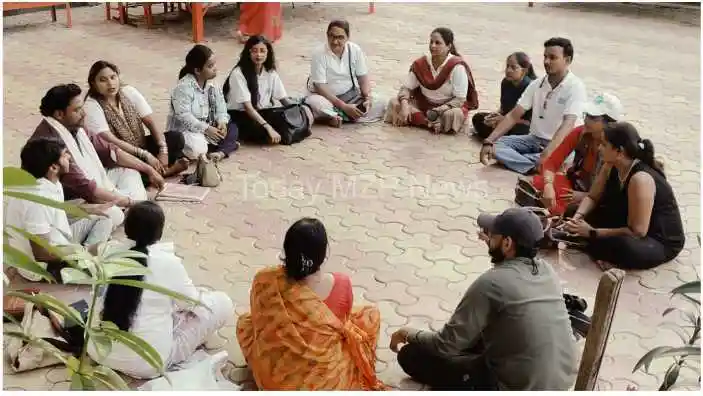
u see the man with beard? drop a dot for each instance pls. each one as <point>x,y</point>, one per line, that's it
<point>47,159</point>
<point>510,331</point>
<point>556,101</point>
<point>87,179</point>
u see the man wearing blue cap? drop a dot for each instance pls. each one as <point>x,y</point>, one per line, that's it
<point>510,331</point>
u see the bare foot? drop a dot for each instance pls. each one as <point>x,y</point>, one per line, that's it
<point>335,122</point>
<point>179,166</point>
<point>216,156</point>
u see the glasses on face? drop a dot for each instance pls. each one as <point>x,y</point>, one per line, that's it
<point>338,37</point>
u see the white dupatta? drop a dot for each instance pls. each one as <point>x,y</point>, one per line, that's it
<point>87,159</point>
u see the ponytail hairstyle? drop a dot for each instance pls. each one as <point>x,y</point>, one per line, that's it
<point>144,224</point>
<point>305,248</point>
<point>448,38</point>
<point>248,68</point>
<point>524,61</point>
<point>624,136</point>
<point>196,58</point>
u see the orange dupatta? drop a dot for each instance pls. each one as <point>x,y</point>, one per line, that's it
<point>292,341</point>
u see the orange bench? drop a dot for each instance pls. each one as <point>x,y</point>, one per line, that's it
<point>9,6</point>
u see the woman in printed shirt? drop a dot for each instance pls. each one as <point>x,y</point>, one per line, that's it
<point>519,73</point>
<point>439,91</point>
<point>119,112</point>
<point>252,89</point>
<point>198,109</point>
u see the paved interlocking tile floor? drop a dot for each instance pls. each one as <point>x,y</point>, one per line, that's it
<point>400,204</point>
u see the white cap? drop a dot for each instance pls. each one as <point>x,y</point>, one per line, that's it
<point>605,104</point>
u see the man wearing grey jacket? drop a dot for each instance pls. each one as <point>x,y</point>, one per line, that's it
<point>510,331</point>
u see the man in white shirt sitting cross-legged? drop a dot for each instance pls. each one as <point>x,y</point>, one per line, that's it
<point>47,159</point>
<point>556,100</point>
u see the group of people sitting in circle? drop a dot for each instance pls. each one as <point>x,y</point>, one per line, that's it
<point>510,331</point>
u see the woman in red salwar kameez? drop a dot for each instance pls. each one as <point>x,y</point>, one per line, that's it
<point>260,19</point>
<point>439,91</point>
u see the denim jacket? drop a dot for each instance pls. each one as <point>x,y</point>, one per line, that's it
<point>193,109</point>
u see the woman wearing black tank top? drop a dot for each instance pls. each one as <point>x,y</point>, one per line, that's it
<point>630,217</point>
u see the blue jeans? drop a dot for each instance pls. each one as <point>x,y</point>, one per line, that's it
<point>520,153</point>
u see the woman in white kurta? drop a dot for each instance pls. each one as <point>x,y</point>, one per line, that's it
<point>119,114</point>
<point>174,328</point>
<point>439,91</point>
<point>339,87</point>
<point>252,89</point>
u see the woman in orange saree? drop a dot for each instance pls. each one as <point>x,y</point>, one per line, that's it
<point>302,333</point>
<point>260,19</point>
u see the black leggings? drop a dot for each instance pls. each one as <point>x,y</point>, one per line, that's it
<point>624,251</point>
<point>249,130</point>
<point>440,374</point>
<point>483,131</point>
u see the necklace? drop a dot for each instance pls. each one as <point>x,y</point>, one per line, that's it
<point>624,178</point>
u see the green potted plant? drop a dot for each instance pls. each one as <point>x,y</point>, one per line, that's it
<point>106,267</point>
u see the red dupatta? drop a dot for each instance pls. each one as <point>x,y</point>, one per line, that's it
<point>423,71</point>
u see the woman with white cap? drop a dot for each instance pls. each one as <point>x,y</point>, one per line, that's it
<point>558,191</point>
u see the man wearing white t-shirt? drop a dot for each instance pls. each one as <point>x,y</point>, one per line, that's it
<point>556,101</point>
<point>47,159</point>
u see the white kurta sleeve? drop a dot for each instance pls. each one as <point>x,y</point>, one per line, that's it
<point>137,99</point>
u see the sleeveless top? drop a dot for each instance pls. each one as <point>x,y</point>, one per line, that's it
<point>341,297</point>
<point>665,225</point>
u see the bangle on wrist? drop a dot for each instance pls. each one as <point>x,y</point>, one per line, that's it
<point>487,143</point>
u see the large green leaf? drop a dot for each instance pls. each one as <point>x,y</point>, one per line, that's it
<point>17,177</point>
<point>13,257</point>
<point>688,288</point>
<point>115,249</point>
<point>101,342</point>
<point>51,303</point>
<point>666,351</point>
<point>81,382</point>
<point>75,276</point>
<point>138,346</point>
<point>56,251</point>
<point>672,374</point>
<point>113,270</point>
<point>154,288</point>
<point>70,209</point>
<point>110,379</point>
